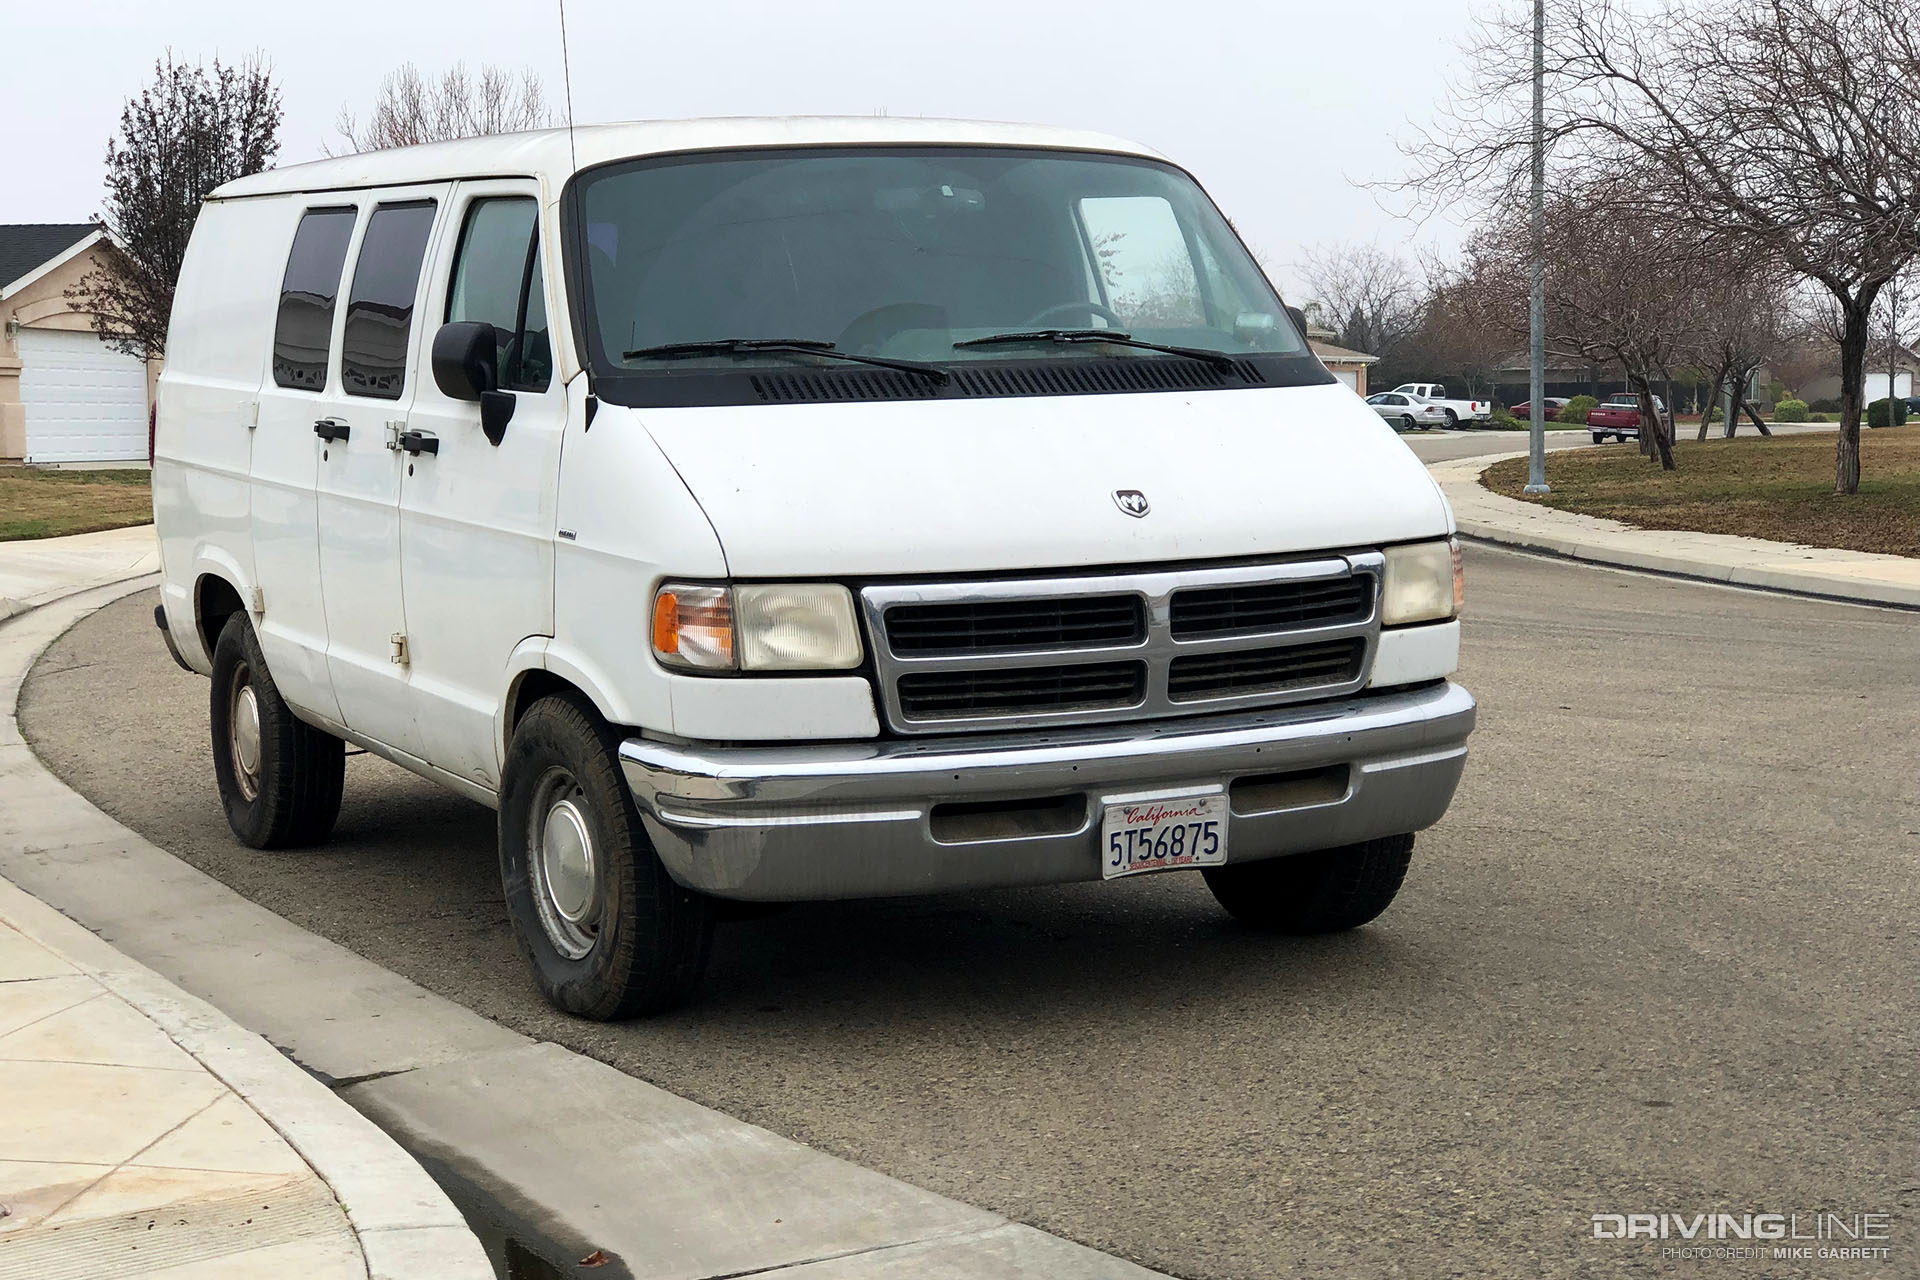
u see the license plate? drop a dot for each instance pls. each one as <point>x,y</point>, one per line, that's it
<point>1157,835</point>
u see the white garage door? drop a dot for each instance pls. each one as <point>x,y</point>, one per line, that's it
<point>85,402</point>
<point>1347,376</point>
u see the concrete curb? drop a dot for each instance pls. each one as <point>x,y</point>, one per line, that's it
<point>39,571</point>
<point>406,1226</point>
<point>1852,577</point>
<point>566,1154</point>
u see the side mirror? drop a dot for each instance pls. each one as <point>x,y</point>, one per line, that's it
<point>466,366</point>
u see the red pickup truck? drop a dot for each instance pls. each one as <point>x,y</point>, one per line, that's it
<point>1619,416</point>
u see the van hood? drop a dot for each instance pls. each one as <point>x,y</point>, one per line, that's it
<point>993,485</point>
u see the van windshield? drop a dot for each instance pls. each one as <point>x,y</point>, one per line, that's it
<point>730,260</point>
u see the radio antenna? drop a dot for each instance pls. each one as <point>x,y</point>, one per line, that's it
<point>566,74</point>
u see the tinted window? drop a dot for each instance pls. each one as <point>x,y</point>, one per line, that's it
<point>907,253</point>
<point>303,331</point>
<point>373,348</point>
<point>497,280</point>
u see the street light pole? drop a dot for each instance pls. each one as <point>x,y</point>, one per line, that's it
<point>1537,373</point>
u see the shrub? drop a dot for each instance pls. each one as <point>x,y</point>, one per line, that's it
<point>1877,413</point>
<point>1790,411</point>
<point>1820,417</point>
<point>1824,406</point>
<point>1576,409</point>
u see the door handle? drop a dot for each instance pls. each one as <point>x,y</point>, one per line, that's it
<point>332,429</point>
<point>419,442</point>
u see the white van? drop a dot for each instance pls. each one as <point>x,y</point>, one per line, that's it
<point>766,510</point>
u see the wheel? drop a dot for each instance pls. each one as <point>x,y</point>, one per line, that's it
<point>1599,437</point>
<point>607,931</point>
<point>1322,892</point>
<point>1406,422</point>
<point>280,778</point>
<point>1453,420</point>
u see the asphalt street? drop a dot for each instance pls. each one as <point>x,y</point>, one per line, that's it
<point>1660,957</point>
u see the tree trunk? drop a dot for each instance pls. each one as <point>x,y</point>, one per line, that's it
<point>1710,403</point>
<point>1764,429</point>
<point>1854,315</point>
<point>1654,442</point>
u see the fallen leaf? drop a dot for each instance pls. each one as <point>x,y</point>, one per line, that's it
<point>598,1258</point>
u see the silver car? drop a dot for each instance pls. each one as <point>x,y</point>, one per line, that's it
<point>1407,411</point>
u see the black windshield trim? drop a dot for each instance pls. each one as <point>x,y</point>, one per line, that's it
<point>972,380</point>
<point>680,387</point>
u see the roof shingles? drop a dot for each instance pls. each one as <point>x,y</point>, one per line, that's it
<point>27,245</point>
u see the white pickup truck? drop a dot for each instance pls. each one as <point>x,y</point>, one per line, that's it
<point>1458,411</point>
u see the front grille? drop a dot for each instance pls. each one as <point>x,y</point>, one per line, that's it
<point>1271,606</point>
<point>962,695</point>
<point>1198,677</point>
<point>1010,626</point>
<point>1121,646</point>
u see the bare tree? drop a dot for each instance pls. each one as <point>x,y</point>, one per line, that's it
<point>1786,129</point>
<point>1368,297</point>
<point>1466,327</point>
<point>192,129</point>
<point>411,109</point>
<point>1741,318</point>
<point>1619,288</point>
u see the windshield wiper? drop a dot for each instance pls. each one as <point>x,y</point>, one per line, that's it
<point>1118,337</point>
<point>796,346</point>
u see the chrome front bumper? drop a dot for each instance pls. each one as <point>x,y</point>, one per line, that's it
<point>879,819</point>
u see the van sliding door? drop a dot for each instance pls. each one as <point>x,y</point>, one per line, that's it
<point>358,491</point>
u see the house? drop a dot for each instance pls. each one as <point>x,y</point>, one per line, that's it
<point>1826,385</point>
<point>1348,366</point>
<point>65,396</point>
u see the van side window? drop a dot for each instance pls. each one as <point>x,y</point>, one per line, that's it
<point>497,279</point>
<point>303,330</point>
<point>373,349</point>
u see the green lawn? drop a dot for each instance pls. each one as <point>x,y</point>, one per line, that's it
<point>38,503</point>
<point>1779,488</point>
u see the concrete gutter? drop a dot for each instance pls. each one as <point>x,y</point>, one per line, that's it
<point>1855,576</point>
<point>567,1156</point>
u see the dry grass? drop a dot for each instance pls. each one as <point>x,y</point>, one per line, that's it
<point>1779,488</point>
<point>38,503</point>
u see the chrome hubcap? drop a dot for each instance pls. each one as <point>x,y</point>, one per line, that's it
<point>565,871</point>
<point>243,732</point>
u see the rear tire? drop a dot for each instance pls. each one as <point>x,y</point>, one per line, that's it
<point>607,931</point>
<point>1324,892</point>
<point>1406,422</point>
<point>1453,420</point>
<point>280,778</point>
<point>1599,437</point>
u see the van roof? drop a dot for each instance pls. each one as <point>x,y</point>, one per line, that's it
<point>550,154</point>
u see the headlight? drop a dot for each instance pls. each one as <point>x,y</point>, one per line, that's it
<point>807,626</point>
<point>1424,583</point>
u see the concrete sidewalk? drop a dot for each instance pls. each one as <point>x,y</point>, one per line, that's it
<point>35,571</point>
<point>121,1152</point>
<point>1856,576</point>
<point>143,1133</point>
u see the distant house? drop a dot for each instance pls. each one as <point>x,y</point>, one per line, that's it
<point>1906,365</point>
<point>65,396</point>
<point>1348,366</point>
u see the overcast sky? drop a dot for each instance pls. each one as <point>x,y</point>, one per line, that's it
<point>1279,107</point>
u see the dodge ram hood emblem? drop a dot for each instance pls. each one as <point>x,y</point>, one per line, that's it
<point>1131,501</point>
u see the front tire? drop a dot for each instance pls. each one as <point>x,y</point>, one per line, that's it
<point>608,933</point>
<point>1325,892</point>
<point>280,779</point>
